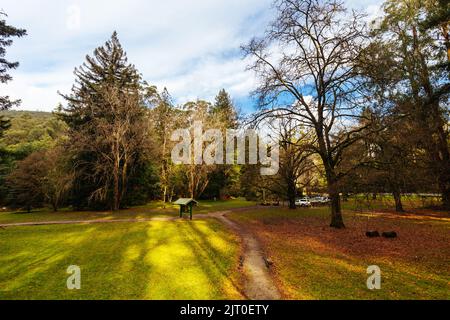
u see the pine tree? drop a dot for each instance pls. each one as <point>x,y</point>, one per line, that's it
<point>108,67</point>
<point>107,127</point>
<point>7,32</point>
<point>223,178</point>
<point>225,110</point>
<point>438,17</point>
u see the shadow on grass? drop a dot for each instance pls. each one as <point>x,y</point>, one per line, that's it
<point>218,258</point>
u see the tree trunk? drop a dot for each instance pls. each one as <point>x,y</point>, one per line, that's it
<point>444,167</point>
<point>292,195</point>
<point>165,194</point>
<point>116,189</point>
<point>447,39</point>
<point>292,204</point>
<point>436,138</point>
<point>398,201</point>
<point>336,212</point>
<point>345,197</point>
<point>445,191</point>
<point>337,220</point>
<point>124,182</point>
<point>440,156</point>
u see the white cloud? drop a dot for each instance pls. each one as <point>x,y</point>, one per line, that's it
<point>38,91</point>
<point>190,47</point>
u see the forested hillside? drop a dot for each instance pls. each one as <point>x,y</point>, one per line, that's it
<point>28,132</point>
<point>31,131</point>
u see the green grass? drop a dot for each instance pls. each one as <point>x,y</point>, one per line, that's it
<point>199,259</point>
<point>214,206</point>
<point>43,215</point>
<point>155,260</point>
<point>151,210</point>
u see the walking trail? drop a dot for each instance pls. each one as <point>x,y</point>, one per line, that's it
<point>259,284</point>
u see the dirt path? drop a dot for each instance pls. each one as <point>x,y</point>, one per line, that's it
<point>258,285</point>
<point>99,221</point>
<point>48,223</point>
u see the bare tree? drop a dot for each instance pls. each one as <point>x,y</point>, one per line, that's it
<point>306,64</point>
<point>166,119</point>
<point>25,182</point>
<point>295,160</point>
<point>198,176</point>
<point>59,177</point>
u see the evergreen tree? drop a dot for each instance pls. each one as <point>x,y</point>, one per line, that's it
<point>438,17</point>
<point>6,33</point>
<point>223,179</point>
<point>107,127</point>
<point>108,67</point>
<point>412,79</point>
<point>225,110</point>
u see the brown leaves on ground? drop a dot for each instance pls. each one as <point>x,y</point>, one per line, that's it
<point>423,238</point>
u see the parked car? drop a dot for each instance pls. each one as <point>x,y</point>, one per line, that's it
<point>319,201</point>
<point>304,203</point>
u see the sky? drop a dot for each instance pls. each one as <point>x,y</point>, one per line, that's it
<point>190,47</point>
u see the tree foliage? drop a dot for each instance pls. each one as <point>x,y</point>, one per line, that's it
<point>7,32</point>
<point>404,66</point>
<point>108,131</point>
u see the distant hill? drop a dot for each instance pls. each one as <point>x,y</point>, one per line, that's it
<point>11,114</point>
<point>31,131</point>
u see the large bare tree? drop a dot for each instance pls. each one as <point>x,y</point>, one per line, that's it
<point>296,163</point>
<point>306,65</point>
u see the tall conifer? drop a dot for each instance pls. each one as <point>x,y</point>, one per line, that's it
<point>6,33</point>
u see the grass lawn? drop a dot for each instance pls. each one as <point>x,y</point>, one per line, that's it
<point>151,210</point>
<point>155,260</point>
<point>313,261</point>
<point>200,259</point>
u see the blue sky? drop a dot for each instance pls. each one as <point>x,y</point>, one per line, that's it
<point>190,47</point>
